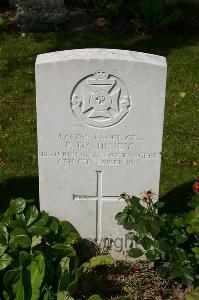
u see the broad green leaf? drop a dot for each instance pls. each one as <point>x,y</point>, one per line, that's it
<point>195,250</point>
<point>14,223</point>
<point>98,261</point>
<point>65,226</point>
<point>24,258</point>
<point>36,240</point>
<point>121,218</point>
<point>136,209</point>
<point>17,206</point>
<point>183,272</point>
<point>37,253</point>
<point>193,229</point>
<point>68,250</point>
<point>153,228</point>
<point>193,215</point>
<point>54,226</point>
<point>64,296</point>
<point>135,201</point>
<point>2,249</point>
<point>11,276</point>
<point>179,222</point>
<point>46,296</point>
<point>177,270</point>
<point>163,244</point>
<point>178,254</point>
<point>180,236</point>
<point>38,230</point>
<point>31,215</point>
<point>6,220</point>
<point>135,252</point>
<point>141,229</point>
<point>95,297</point>
<point>18,289</point>
<point>37,272</point>
<point>21,219</point>
<point>49,294</point>
<point>42,220</point>
<point>187,278</point>
<point>72,238</point>
<point>4,235</point>
<point>5,261</point>
<point>19,237</point>
<point>146,242</point>
<point>151,255</point>
<point>19,222</point>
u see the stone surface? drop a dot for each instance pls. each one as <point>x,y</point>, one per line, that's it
<point>40,15</point>
<point>100,122</point>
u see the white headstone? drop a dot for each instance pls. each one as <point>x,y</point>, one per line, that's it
<point>100,122</point>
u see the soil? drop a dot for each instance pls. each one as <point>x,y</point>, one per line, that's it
<point>124,280</point>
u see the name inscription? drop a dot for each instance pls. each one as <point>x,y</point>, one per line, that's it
<point>99,150</point>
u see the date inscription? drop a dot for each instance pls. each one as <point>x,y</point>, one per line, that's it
<point>98,150</point>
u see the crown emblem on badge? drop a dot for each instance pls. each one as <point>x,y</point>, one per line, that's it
<point>100,75</point>
<point>100,100</point>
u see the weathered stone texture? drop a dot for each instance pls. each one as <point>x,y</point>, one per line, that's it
<point>40,15</point>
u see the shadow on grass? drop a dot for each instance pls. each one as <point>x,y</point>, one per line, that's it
<point>159,45</point>
<point>24,187</point>
<point>176,200</point>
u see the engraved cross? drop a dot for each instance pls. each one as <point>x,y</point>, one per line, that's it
<point>99,198</point>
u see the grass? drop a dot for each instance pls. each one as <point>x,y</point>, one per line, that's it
<point>18,143</point>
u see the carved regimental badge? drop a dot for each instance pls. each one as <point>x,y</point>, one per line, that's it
<point>100,100</point>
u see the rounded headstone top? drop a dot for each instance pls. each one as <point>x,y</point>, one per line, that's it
<point>101,53</point>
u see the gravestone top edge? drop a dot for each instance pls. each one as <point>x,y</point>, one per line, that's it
<point>101,53</point>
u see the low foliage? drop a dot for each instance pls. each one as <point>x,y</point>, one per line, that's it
<point>171,241</point>
<point>148,15</point>
<point>3,23</point>
<point>37,255</point>
<point>152,15</point>
<point>110,9</point>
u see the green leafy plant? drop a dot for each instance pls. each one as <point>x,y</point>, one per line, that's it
<point>152,15</point>
<point>171,241</point>
<point>110,9</point>
<point>3,23</point>
<point>37,255</point>
<point>95,297</point>
<point>107,8</point>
